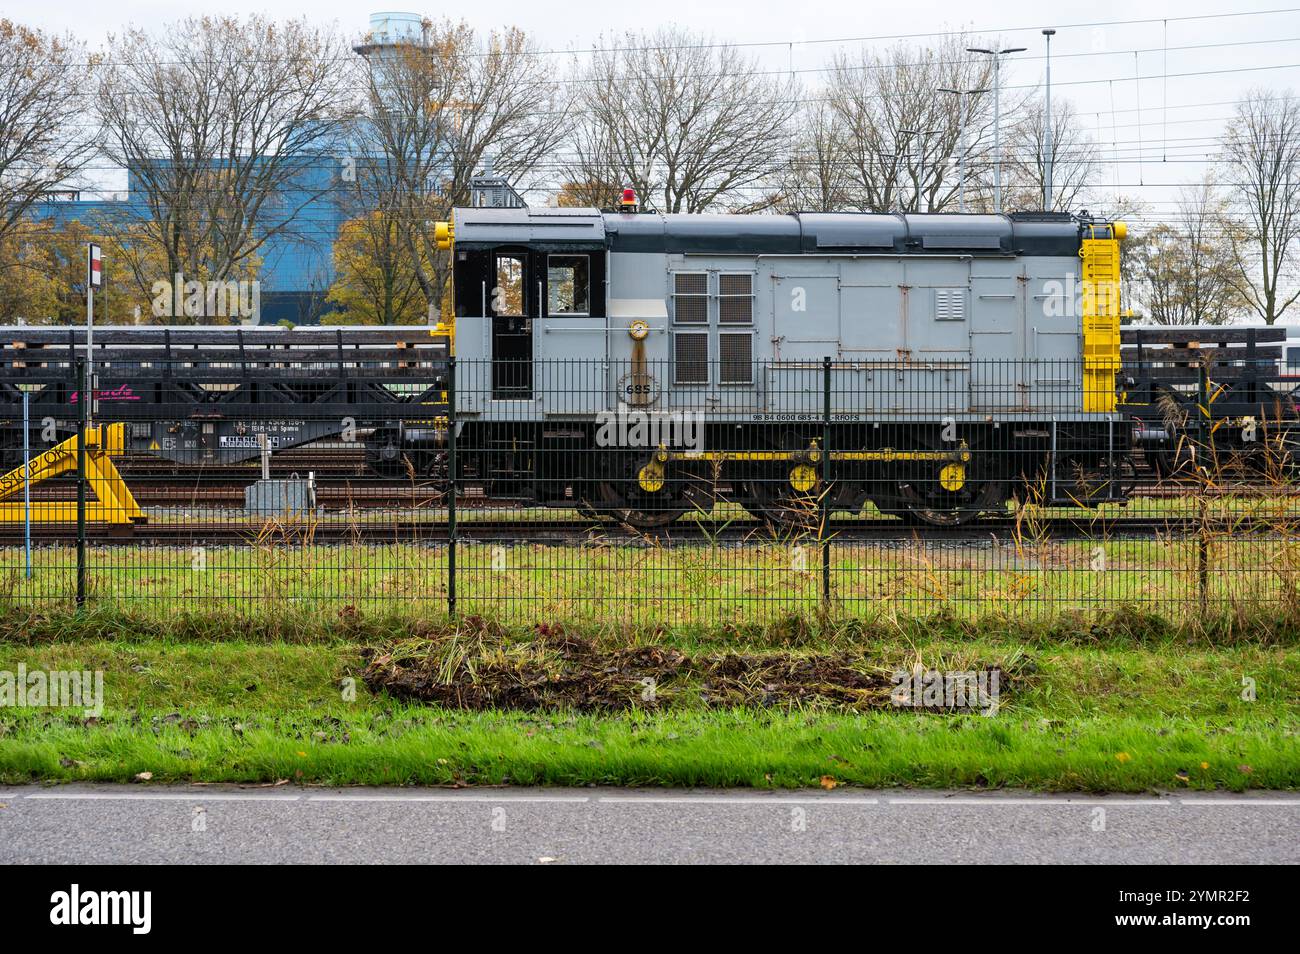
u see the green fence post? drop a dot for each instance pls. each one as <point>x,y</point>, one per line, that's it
<point>826,482</point>
<point>451,487</point>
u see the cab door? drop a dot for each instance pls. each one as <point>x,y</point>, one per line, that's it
<point>511,305</point>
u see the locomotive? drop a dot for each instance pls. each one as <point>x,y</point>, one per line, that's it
<point>930,364</point>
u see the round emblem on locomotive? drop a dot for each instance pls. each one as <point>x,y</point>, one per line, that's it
<point>638,388</point>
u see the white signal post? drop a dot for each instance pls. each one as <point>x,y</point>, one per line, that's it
<point>94,279</point>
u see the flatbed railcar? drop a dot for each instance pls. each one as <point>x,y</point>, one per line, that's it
<point>207,396</point>
<point>1227,389</point>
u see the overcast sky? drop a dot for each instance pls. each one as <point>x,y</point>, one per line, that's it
<point>1161,130</point>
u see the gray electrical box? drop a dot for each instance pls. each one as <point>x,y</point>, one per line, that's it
<point>280,498</point>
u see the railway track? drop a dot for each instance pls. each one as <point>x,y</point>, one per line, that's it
<point>478,528</point>
<point>225,488</point>
<point>361,494</point>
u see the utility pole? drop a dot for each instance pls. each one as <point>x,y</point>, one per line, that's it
<point>1048,146</point>
<point>997,117</point>
<point>900,153</point>
<point>921,139</point>
<point>961,95</point>
<point>86,385</point>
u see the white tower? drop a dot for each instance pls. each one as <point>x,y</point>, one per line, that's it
<point>388,33</point>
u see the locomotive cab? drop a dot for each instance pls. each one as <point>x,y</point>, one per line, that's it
<point>528,285</point>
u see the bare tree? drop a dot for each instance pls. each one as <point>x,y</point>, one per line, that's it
<point>691,126</point>
<point>440,111</point>
<point>903,137</point>
<point>1075,158</point>
<point>1186,267</point>
<point>220,122</point>
<point>593,175</point>
<point>43,145</point>
<point>1116,207</point>
<point>1261,153</point>
<point>815,176</point>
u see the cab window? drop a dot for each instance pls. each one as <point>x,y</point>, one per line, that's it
<point>508,295</point>
<point>568,281</point>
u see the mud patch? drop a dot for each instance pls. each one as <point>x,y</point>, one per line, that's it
<point>557,670</point>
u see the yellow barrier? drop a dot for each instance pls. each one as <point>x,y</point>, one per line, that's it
<point>113,501</point>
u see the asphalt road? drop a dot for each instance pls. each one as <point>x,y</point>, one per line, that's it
<point>184,824</point>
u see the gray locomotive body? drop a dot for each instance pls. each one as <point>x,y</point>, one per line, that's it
<point>740,293</point>
<point>942,359</point>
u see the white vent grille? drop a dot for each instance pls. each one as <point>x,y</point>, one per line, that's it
<point>735,299</point>
<point>691,298</point>
<point>950,304</point>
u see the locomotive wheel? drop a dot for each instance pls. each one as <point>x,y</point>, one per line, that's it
<point>647,491</point>
<point>785,497</point>
<point>1088,486</point>
<point>631,505</point>
<point>936,507</point>
<point>586,509</point>
<point>950,496</point>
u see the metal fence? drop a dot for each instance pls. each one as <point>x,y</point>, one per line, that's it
<point>702,490</point>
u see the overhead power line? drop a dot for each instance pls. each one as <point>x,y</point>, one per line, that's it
<point>833,40</point>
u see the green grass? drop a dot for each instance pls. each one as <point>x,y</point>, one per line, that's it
<point>1129,708</point>
<point>743,748</point>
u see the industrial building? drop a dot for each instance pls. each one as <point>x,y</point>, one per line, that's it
<point>297,265</point>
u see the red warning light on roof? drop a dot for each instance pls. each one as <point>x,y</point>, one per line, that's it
<point>629,200</point>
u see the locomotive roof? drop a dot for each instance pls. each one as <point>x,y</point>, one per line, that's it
<point>789,234</point>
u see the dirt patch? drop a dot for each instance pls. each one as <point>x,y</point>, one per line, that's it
<point>840,678</point>
<point>559,670</point>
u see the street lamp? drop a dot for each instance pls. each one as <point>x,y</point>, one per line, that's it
<point>997,117</point>
<point>1048,147</point>
<point>961,95</point>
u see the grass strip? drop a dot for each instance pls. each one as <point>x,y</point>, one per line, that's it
<point>1119,715</point>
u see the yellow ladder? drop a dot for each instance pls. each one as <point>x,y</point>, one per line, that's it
<point>1101,314</point>
<point>113,502</point>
